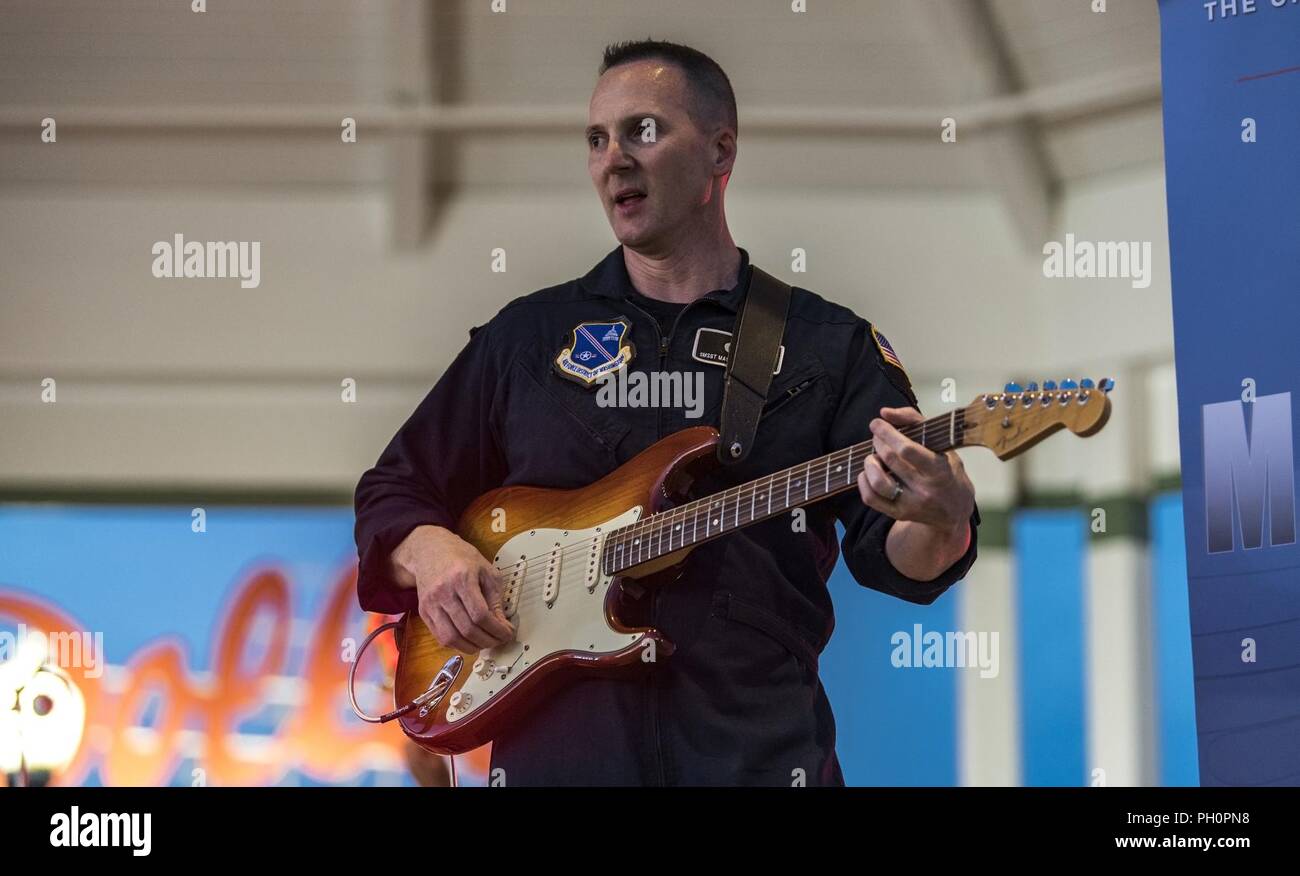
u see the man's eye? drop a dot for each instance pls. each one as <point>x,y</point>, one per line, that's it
<point>593,141</point>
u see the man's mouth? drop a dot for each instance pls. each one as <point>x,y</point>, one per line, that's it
<point>629,197</point>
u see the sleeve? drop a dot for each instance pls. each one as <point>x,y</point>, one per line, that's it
<point>871,382</point>
<point>444,456</point>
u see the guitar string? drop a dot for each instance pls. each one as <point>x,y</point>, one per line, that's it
<point>529,586</point>
<point>532,586</point>
<point>530,591</point>
<point>819,467</point>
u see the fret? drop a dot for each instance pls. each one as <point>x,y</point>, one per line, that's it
<point>644,540</point>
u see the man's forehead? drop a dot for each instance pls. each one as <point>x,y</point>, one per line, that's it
<point>650,83</point>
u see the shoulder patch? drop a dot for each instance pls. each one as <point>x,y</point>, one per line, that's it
<point>595,349</point>
<point>892,365</point>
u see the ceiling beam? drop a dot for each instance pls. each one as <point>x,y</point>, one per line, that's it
<point>1114,91</point>
<point>970,51</point>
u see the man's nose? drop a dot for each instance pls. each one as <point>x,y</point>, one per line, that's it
<point>616,158</point>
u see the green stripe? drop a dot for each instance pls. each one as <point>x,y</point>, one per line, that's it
<point>995,529</point>
<point>1126,516</point>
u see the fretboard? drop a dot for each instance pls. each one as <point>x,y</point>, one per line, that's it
<point>705,519</point>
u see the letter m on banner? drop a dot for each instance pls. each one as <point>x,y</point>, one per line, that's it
<point>1257,470</point>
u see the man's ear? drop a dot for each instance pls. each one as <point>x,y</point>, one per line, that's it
<point>724,152</point>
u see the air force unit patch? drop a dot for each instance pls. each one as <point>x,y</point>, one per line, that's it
<point>595,349</point>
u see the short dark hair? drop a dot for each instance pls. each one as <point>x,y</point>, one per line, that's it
<point>712,97</point>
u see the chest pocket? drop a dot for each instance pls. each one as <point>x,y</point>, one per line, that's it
<point>556,433</point>
<point>791,428</point>
<point>793,424</point>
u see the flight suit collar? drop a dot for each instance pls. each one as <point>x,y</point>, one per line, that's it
<point>609,279</point>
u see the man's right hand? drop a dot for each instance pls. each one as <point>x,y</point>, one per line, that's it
<point>459,591</point>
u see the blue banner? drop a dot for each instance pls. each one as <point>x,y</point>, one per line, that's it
<point>1231,78</point>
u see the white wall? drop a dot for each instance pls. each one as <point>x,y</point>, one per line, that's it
<point>204,382</point>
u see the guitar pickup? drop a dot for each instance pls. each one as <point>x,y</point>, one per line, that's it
<point>593,566</point>
<point>551,584</point>
<point>512,583</point>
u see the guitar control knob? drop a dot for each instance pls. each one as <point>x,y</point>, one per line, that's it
<point>461,700</point>
<point>484,668</point>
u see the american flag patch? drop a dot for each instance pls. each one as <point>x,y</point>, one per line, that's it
<point>886,351</point>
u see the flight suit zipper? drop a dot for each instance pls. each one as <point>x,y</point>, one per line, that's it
<point>665,342</point>
<point>780,401</point>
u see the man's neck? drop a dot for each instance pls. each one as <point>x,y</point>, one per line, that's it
<point>685,274</point>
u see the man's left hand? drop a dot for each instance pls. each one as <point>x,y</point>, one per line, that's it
<point>908,481</point>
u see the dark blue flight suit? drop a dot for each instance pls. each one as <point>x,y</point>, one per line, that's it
<point>739,702</point>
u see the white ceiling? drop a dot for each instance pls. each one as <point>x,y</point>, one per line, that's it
<point>60,55</point>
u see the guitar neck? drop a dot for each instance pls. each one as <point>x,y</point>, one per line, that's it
<point>705,519</point>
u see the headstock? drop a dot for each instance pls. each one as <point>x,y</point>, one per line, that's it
<point>1012,421</point>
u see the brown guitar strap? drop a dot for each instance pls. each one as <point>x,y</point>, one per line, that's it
<point>754,349</point>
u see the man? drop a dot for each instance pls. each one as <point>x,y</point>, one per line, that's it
<point>739,700</point>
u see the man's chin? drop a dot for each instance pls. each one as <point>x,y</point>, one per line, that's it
<point>633,238</point>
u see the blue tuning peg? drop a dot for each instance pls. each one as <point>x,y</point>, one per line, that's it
<point>1049,385</point>
<point>1106,384</point>
<point>1069,384</point>
<point>1013,387</point>
<point>1032,387</point>
<point>1087,383</point>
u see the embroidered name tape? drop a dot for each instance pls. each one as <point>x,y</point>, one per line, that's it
<point>595,349</point>
<point>713,347</point>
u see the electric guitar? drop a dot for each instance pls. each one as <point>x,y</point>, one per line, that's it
<point>565,553</point>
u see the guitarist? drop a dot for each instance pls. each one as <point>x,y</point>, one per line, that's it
<point>739,702</point>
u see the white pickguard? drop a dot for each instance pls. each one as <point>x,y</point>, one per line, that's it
<point>555,597</point>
